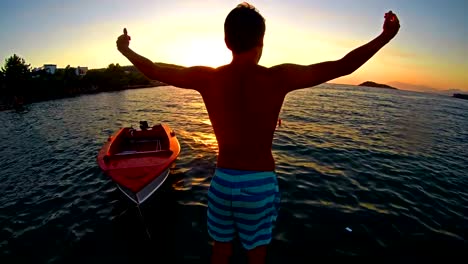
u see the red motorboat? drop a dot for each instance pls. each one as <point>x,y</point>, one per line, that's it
<point>138,161</point>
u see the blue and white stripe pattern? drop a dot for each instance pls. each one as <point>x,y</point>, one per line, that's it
<point>244,203</point>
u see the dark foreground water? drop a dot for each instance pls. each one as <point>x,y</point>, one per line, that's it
<point>362,171</point>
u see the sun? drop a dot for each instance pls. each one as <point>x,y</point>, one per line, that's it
<point>203,52</point>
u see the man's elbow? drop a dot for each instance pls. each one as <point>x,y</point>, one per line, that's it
<point>348,66</point>
<point>348,71</point>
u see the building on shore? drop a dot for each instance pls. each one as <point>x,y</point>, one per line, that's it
<point>81,71</point>
<point>50,68</point>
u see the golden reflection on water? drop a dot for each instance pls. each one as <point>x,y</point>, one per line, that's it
<point>201,182</point>
<point>181,185</point>
<point>373,207</point>
<point>206,121</point>
<point>349,208</point>
<point>197,105</point>
<point>330,204</point>
<point>206,139</point>
<point>190,203</point>
<point>328,170</point>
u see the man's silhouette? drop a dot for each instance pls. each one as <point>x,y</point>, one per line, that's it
<point>243,100</point>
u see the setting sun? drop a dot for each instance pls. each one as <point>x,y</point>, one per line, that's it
<point>201,51</point>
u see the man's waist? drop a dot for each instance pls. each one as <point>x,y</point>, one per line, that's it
<point>246,161</point>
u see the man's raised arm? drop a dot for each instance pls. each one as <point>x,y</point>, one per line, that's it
<point>183,77</point>
<point>295,76</point>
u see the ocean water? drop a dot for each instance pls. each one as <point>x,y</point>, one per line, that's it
<point>362,171</point>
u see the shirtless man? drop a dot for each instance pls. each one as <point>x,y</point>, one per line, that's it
<point>243,197</point>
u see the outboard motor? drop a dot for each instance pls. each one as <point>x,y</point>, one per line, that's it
<point>144,125</point>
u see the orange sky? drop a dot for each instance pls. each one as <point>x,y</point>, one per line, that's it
<point>430,53</point>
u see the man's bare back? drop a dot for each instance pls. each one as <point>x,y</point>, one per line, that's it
<point>243,102</point>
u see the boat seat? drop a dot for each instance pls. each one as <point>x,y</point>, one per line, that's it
<point>165,152</point>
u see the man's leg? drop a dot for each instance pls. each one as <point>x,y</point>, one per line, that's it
<point>220,218</point>
<point>222,251</point>
<point>257,255</point>
<point>256,209</point>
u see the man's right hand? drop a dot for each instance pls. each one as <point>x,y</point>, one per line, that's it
<point>123,41</point>
<point>391,25</point>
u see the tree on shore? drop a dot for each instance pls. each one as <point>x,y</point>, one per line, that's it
<point>2,81</point>
<point>16,75</point>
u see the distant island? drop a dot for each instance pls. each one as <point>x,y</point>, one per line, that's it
<point>461,96</point>
<point>377,85</point>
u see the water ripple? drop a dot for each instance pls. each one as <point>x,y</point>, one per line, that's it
<point>388,165</point>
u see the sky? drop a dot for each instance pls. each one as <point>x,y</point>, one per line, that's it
<point>431,48</point>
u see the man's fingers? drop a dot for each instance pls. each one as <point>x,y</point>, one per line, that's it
<point>390,16</point>
<point>394,19</point>
<point>126,34</point>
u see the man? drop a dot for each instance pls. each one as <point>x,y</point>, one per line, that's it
<point>243,100</point>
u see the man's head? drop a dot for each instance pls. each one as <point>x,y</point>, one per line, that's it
<point>244,29</point>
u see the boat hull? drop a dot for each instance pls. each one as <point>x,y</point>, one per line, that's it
<point>139,161</point>
<point>147,191</point>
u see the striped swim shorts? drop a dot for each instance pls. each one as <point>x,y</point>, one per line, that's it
<point>243,203</point>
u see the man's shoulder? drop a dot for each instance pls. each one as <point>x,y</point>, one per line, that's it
<point>249,71</point>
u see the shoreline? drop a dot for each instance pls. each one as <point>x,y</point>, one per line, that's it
<point>7,102</point>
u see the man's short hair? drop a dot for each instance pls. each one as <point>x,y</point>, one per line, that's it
<point>244,28</point>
